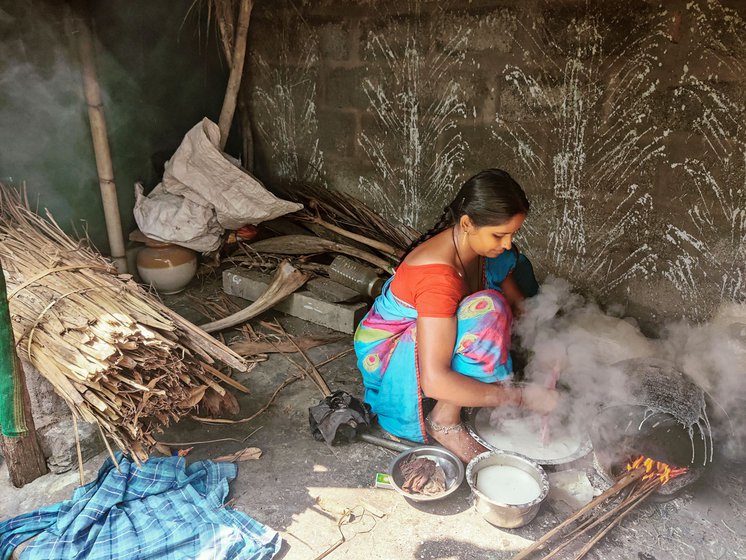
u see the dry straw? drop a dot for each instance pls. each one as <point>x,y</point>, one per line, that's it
<point>110,349</point>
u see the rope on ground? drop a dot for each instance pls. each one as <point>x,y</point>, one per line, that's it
<point>350,517</point>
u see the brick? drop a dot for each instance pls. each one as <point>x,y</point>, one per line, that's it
<point>390,36</point>
<point>513,106</point>
<point>567,24</point>
<point>250,284</point>
<point>334,41</point>
<point>347,173</point>
<point>492,31</point>
<point>337,132</point>
<point>483,150</point>
<point>344,88</point>
<point>286,40</point>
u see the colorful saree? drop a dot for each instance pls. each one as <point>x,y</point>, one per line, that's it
<point>385,344</point>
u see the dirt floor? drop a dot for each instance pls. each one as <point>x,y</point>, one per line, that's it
<point>302,488</point>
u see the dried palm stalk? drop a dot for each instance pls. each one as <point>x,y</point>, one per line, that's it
<point>346,211</point>
<point>307,244</point>
<point>287,280</point>
<point>112,351</point>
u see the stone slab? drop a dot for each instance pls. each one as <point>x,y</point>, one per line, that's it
<point>251,284</point>
<point>331,291</point>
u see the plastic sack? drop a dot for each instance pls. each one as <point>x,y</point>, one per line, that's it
<point>202,193</point>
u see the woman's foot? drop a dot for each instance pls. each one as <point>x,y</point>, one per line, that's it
<point>455,438</point>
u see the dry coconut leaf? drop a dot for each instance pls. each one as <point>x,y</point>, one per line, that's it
<point>248,454</point>
<point>118,357</point>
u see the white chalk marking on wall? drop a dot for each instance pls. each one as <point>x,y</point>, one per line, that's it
<point>415,100</point>
<point>287,118</point>
<point>581,129</point>
<point>709,241</point>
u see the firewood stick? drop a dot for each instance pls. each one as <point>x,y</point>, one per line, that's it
<point>590,544</point>
<point>591,523</point>
<point>622,483</point>
<point>315,373</point>
<point>226,379</point>
<point>384,247</point>
<point>101,149</point>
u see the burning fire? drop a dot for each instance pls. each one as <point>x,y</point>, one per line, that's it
<point>653,469</point>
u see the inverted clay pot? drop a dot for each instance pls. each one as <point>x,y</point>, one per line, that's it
<point>165,266</point>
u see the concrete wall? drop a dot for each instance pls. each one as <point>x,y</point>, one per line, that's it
<point>624,125</point>
<point>160,73</point>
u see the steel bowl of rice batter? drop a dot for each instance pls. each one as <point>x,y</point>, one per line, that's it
<point>507,516</point>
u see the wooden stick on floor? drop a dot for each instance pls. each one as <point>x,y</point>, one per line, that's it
<point>622,483</point>
<point>631,500</point>
<point>78,451</point>
<point>313,372</point>
<point>590,544</point>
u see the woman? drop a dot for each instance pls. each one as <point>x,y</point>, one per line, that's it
<point>441,327</point>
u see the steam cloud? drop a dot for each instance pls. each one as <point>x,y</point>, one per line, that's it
<point>561,329</point>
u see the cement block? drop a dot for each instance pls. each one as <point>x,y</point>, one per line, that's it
<point>334,41</point>
<point>493,31</point>
<point>331,291</point>
<point>250,284</point>
<point>59,447</point>
<point>47,407</point>
<point>344,88</point>
<point>337,131</point>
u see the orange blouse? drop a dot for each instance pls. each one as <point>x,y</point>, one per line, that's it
<point>434,290</point>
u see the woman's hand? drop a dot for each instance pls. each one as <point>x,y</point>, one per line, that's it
<point>539,399</point>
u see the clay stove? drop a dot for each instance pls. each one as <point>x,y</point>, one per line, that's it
<point>622,434</point>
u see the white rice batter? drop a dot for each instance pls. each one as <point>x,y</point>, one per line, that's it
<point>522,434</point>
<point>507,485</point>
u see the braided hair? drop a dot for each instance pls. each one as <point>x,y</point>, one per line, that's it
<point>489,198</point>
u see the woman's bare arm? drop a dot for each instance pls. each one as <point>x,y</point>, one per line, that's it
<point>436,340</point>
<point>513,295</point>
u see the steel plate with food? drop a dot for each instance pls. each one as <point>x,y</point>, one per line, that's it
<point>426,473</point>
<point>550,440</point>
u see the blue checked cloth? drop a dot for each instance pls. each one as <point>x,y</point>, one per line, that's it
<point>162,510</point>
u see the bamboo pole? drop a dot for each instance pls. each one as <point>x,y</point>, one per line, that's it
<point>237,64</point>
<point>101,147</point>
